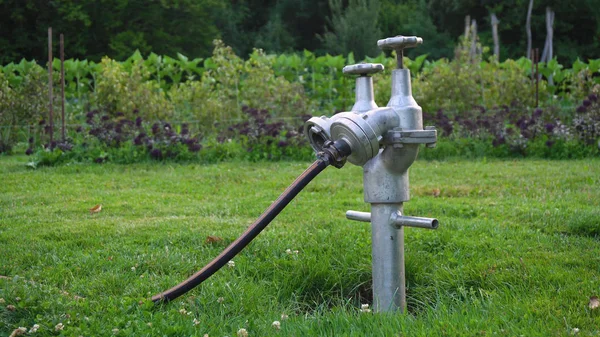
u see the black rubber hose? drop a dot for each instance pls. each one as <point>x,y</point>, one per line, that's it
<point>234,248</point>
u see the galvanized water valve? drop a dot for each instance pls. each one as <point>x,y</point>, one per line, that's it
<point>385,142</point>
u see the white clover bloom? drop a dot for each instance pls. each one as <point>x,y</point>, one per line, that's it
<point>231,264</point>
<point>365,308</point>
<point>283,317</point>
<point>288,251</point>
<point>17,299</point>
<point>220,299</point>
<point>115,331</point>
<point>59,327</point>
<point>296,252</point>
<point>196,321</point>
<point>276,325</point>
<point>182,311</point>
<point>34,328</point>
<point>575,331</point>
<point>242,332</point>
<point>133,268</point>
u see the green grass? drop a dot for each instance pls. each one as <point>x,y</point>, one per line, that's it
<point>517,251</point>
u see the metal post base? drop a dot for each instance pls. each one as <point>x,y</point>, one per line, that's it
<point>389,288</point>
<point>387,233</point>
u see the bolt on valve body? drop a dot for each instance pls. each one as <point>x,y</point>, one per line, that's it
<point>385,142</point>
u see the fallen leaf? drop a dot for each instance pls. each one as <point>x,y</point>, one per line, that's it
<point>436,192</point>
<point>213,239</point>
<point>96,209</point>
<point>594,302</point>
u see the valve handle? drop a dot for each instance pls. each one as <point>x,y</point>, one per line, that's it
<point>399,43</point>
<point>363,69</point>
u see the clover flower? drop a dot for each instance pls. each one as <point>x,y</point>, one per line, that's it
<point>242,332</point>
<point>283,317</point>
<point>196,322</point>
<point>364,308</point>
<point>276,325</point>
<point>231,264</point>
<point>59,327</point>
<point>34,328</point>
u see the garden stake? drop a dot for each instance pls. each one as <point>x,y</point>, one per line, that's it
<point>537,76</point>
<point>62,82</point>
<point>385,142</point>
<point>50,105</point>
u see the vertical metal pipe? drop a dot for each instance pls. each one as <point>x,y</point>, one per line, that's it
<point>389,289</point>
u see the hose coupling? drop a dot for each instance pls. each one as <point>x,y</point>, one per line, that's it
<point>335,153</point>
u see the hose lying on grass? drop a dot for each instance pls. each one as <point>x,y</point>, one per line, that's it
<point>333,154</point>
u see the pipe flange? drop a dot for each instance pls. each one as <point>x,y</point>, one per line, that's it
<point>399,136</point>
<point>317,132</point>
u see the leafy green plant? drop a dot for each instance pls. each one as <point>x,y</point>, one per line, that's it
<point>120,90</point>
<point>229,83</point>
<point>23,101</point>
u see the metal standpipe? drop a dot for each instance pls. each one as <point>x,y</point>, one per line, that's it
<point>385,142</point>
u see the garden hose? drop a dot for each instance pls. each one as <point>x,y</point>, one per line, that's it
<point>334,153</point>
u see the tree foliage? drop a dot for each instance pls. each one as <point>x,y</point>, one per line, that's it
<point>116,28</point>
<point>113,28</point>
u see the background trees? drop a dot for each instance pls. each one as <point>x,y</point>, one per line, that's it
<point>116,28</point>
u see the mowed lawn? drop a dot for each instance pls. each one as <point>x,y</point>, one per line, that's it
<point>517,251</point>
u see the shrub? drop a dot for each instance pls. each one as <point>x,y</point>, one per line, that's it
<point>265,139</point>
<point>466,82</point>
<point>229,83</point>
<point>23,100</point>
<point>121,90</point>
<point>119,139</point>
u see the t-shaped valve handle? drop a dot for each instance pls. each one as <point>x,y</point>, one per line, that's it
<point>364,84</point>
<point>399,43</point>
<point>363,69</point>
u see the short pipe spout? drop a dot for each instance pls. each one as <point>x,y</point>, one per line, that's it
<point>358,216</point>
<point>398,220</point>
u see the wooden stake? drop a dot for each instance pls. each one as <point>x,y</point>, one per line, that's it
<point>547,53</point>
<point>467,26</point>
<point>528,28</point>
<point>537,76</point>
<point>495,23</point>
<point>62,82</point>
<point>50,105</point>
<point>473,52</point>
